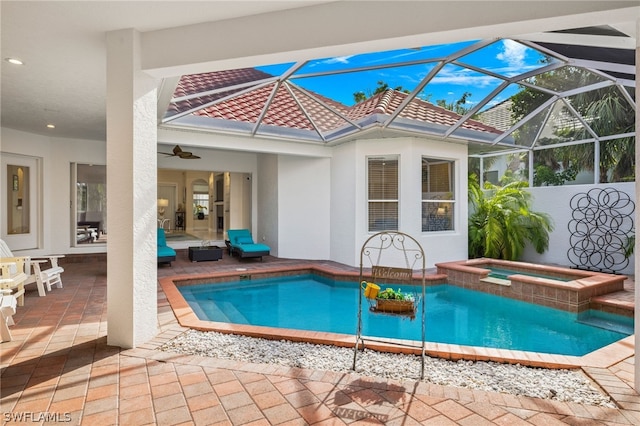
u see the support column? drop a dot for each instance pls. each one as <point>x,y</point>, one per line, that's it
<point>636,250</point>
<point>132,308</point>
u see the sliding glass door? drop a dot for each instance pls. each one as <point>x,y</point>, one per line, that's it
<point>89,204</point>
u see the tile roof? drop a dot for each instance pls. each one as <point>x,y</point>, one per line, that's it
<point>388,101</point>
<point>292,106</point>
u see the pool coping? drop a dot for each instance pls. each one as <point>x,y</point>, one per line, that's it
<point>575,295</point>
<point>602,358</point>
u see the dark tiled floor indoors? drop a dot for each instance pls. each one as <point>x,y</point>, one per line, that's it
<point>59,368</point>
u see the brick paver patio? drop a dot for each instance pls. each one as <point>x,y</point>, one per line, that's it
<point>59,368</point>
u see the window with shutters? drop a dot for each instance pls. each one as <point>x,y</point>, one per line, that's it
<point>382,178</point>
<point>438,194</point>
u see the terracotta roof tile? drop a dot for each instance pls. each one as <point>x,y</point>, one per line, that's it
<point>285,111</point>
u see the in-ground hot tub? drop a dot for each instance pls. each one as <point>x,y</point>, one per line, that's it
<point>556,287</point>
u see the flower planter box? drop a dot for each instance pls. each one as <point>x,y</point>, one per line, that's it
<point>394,306</point>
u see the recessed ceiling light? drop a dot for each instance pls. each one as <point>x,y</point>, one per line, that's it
<point>14,61</point>
<point>51,126</point>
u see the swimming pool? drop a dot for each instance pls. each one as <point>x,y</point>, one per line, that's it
<point>453,315</point>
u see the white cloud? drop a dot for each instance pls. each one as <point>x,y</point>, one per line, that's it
<point>513,53</point>
<point>463,77</point>
<point>335,60</point>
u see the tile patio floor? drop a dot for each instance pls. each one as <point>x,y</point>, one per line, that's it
<point>60,367</point>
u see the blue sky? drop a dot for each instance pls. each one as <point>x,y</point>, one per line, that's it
<point>504,57</point>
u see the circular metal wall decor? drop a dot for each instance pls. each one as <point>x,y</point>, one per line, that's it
<point>601,221</point>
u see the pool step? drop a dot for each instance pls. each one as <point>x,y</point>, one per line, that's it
<point>233,315</point>
<point>606,323</point>
<point>494,280</point>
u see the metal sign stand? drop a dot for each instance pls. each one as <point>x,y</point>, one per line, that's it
<point>380,252</point>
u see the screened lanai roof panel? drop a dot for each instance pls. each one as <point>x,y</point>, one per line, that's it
<point>283,110</point>
<point>325,113</point>
<point>507,58</point>
<point>198,90</point>
<point>351,87</point>
<point>198,83</point>
<point>593,53</point>
<point>527,131</point>
<point>390,101</point>
<point>565,78</point>
<point>606,111</point>
<point>459,80</point>
<point>631,92</point>
<point>300,109</point>
<point>597,54</point>
<point>178,107</point>
<point>467,91</point>
<point>382,59</point>
<point>246,107</point>
<point>561,125</point>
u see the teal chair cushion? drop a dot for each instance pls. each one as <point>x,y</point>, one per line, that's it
<point>165,253</point>
<point>241,242</point>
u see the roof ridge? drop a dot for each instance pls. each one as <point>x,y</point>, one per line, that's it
<point>384,103</point>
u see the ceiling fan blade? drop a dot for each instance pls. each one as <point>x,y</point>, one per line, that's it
<point>178,152</point>
<point>186,155</point>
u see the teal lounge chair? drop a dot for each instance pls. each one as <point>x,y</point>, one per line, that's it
<point>241,243</point>
<point>165,253</point>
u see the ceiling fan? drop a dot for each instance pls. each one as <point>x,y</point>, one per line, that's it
<point>178,152</point>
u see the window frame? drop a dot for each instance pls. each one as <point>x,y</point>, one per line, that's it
<point>384,221</point>
<point>438,213</point>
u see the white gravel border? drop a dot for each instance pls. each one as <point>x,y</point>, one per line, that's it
<point>561,385</point>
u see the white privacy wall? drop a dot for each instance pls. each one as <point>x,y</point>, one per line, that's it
<point>303,207</point>
<point>555,200</point>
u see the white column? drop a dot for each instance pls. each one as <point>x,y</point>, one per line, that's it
<point>636,250</point>
<point>131,194</point>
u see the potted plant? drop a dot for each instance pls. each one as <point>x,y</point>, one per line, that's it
<point>200,211</point>
<point>395,301</point>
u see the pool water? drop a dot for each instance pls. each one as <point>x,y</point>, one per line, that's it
<point>504,274</point>
<point>453,315</point>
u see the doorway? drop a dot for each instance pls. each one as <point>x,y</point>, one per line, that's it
<point>211,202</point>
<point>168,215</point>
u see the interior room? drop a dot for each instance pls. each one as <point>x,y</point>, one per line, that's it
<point>200,205</point>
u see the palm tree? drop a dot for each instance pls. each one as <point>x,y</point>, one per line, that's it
<point>501,222</point>
<point>607,113</point>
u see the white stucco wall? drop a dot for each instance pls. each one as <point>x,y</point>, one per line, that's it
<point>56,154</point>
<point>350,204</point>
<point>343,205</point>
<point>555,201</point>
<point>267,218</point>
<point>239,201</point>
<point>304,200</point>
